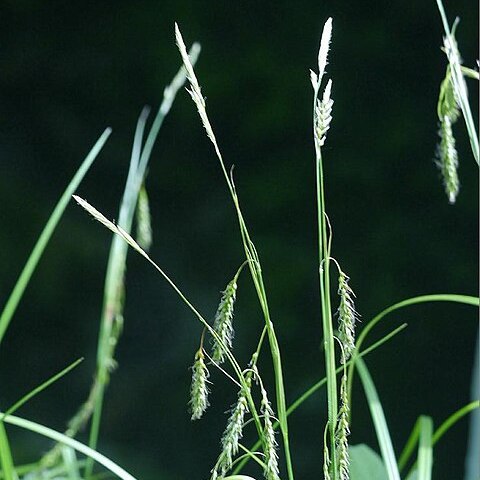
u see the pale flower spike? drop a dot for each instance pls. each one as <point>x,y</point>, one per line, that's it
<point>324,48</point>
<point>223,323</point>
<point>271,471</point>
<point>195,91</point>
<point>199,389</point>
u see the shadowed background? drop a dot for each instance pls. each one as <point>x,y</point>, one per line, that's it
<point>69,70</point>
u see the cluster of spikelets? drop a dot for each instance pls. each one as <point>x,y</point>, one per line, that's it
<point>447,157</point>
<point>453,100</point>
<point>323,107</point>
<point>222,343</point>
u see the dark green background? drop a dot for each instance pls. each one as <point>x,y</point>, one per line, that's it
<point>69,69</point>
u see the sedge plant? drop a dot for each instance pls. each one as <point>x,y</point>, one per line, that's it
<point>257,403</point>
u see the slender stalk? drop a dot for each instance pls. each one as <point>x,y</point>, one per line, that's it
<point>329,343</point>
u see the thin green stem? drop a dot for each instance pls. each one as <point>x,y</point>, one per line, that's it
<point>40,388</point>
<point>324,277</point>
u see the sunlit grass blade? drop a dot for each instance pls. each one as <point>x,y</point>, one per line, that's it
<point>425,449</point>
<point>33,259</point>
<point>379,421</point>
<point>40,388</point>
<point>75,444</point>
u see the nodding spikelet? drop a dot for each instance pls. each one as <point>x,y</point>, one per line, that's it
<point>447,157</point>
<point>234,430</point>
<point>223,323</point>
<point>447,160</point>
<point>270,471</point>
<point>199,387</point>
<point>347,317</point>
<point>323,115</point>
<point>343,431</point>
<point>144,223</point>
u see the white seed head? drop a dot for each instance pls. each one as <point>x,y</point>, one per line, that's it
<point>199,387</point>
<point>324,47</point>
<point>314,80</point>
<point>323,115</point>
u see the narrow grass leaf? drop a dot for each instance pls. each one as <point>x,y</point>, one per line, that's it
<point>40,388</point>
<point>379,421</point>
<point>34,258</point>
<point>425,449</point>
<point>6,459</point>
<point>75,444</point>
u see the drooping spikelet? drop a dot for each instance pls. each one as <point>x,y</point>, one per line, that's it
<point>199,388</point>
<point>447,160</point>
<point>233,431</point>
<point>223,323</point>
<point>323,115</point>
<point>144,224</point>
<point>447,157</point>
<point>343,431</point>
<point>270,471</point>
<point>347,317</point>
